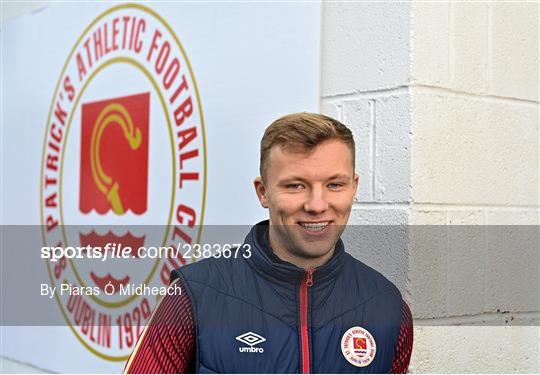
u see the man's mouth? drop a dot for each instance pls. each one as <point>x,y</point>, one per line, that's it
<point>314,226</point>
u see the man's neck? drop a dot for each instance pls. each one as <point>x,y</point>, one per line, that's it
<point>302,262</point>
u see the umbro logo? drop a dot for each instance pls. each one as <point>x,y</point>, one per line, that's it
<point>251,339</point>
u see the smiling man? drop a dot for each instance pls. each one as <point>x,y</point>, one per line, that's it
<point>308,185</point>
<point>295,301</point>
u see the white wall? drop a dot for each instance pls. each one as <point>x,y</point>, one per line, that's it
<point>10,11</point>
<point>15,9</point>
<point>443,98</point>
<point>475,162</point>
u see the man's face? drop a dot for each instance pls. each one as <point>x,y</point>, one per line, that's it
<point>309,196</point>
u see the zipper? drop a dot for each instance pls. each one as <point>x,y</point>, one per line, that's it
<point>307,281</point>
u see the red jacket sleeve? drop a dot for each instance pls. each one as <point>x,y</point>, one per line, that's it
<point>167,345</point>
<point>402,357</point>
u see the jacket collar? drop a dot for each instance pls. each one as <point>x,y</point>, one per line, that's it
<point>265,262</point>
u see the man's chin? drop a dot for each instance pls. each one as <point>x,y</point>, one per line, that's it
<point>312,253</point>
<point>314,249</point>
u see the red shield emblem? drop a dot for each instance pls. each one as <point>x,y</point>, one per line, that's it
<point>360,343</point>
<point>114,155</point>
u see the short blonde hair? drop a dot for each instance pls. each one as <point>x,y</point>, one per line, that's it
<point>300,132</point>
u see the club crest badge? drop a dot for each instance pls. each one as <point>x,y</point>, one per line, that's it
<point>358,346</point>
<point>124,163</point>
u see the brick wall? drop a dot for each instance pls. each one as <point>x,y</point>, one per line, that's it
<point>443,100</point>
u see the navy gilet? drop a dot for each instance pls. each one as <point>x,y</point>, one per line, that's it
<point>251,315</point>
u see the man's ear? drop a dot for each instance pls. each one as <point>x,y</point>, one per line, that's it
<point>356,179</point>
<point>260,189</point>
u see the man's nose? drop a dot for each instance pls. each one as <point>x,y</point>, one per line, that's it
<point>316,201</point>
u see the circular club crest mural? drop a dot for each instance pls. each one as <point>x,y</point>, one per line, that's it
<point>123,165</point>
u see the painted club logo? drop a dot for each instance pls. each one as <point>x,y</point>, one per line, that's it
<point>358,346</point>
<point>105,159</point>
<point>124,164</point>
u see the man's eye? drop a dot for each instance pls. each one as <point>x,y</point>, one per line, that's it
<point>294,186</point>
<point>335,185</point>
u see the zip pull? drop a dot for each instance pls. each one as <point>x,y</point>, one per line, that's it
<point>309,279</point>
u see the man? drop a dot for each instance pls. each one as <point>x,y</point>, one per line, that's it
<point>297,302</point>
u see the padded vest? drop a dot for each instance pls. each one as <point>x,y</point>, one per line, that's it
<point>248,316</point>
